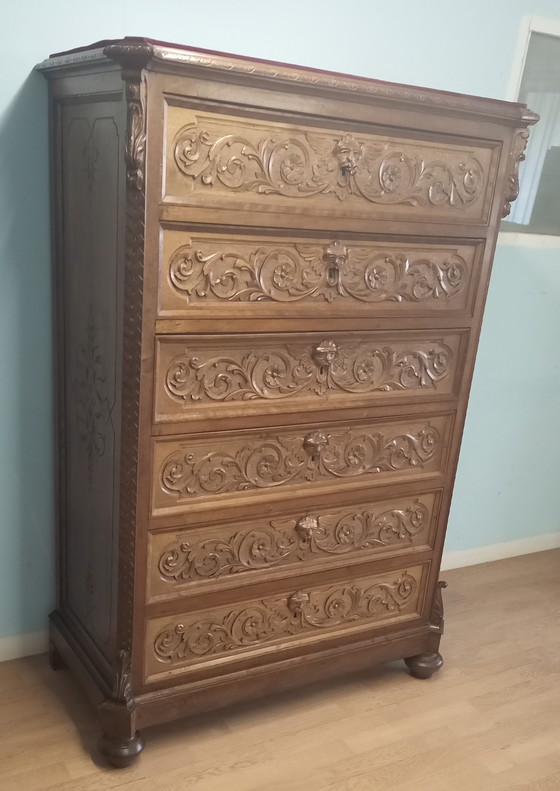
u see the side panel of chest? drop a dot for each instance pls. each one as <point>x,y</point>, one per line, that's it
<point>90,291</point>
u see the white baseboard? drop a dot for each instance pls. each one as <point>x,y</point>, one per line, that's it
<point>37,642</point>
<point>20,645</point>
<point>456,559</point>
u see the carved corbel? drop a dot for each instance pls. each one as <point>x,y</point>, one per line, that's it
<point>436,613</point>
<point>133,58</point>
<point>516,157</point>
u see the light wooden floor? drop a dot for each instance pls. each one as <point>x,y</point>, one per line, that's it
<point>489,720</point>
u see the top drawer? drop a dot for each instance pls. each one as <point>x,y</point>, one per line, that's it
<point>229,162</point>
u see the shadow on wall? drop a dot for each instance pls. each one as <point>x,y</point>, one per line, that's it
<point>26,449</point>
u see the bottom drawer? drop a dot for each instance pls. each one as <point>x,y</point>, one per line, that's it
<point>256,627</point>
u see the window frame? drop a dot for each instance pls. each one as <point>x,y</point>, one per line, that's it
<point>530,24</point>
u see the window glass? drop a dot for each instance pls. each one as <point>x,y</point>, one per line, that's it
<point>537,210</point>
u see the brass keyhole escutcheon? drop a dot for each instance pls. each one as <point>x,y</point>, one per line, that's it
<point>335,256</point>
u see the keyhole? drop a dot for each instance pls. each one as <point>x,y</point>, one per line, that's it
<point>332,275</point>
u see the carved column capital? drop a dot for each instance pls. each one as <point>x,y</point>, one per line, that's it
<point>132,56</point>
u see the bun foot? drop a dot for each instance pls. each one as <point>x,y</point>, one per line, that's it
<point>424,665</point>
<point>121,752</point>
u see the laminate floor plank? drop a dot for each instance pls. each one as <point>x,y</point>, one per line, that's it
<point>489,721</point>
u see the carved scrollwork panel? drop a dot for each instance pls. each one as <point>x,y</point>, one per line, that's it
<point>253,625</point>
<point>205,270</point>
<point>216,370</point>
<point>192,470</point>
<point>222,553</point>
<point>213,155</point>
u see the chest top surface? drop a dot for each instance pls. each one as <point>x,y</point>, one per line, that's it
<point>157,55</point>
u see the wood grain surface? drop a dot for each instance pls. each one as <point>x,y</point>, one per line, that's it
<point>270,293</point>
<point>488,720</point>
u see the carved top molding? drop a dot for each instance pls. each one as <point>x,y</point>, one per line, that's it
<point>131,48</point>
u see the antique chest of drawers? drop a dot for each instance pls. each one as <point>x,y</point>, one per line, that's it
<point>270,287</point>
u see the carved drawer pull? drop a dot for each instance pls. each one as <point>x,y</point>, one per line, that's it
<point>314,444</point>
<point>297,602</point>
<point>325,353</point>
<point>306,526</point>
<point>348,152</point>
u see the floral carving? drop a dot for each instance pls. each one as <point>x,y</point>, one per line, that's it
<point>292,541</point>
<point>264,621</point>
<point>290,370</point>
<point>299,164</point>
<point>91,395</point>
<point>303,272</point>
<point>289,458</point>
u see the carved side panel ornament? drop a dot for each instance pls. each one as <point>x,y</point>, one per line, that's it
<point>295,458</point>
<point>91,395</point>
<point>228,155</point>
<point>253,624</point>
<point>122,689</point>
<point>136,139</point>
<point>297,272</point>
<point>516,157</point>
<point>436,613</point>
<point>293,541</point>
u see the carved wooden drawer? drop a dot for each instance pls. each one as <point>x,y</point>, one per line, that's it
<point>254,276</point>
<point>246,164</point>
<point>205,470</point>
<point>268,625</point>
<point>265,548</point>
<point>217,376</point>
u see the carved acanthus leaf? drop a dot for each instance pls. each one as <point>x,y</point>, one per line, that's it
<point>516,157</point>
<point>436,613</point>
<point>136,140</point>
<point>122,692</point>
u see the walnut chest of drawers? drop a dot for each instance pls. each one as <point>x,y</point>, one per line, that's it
<point>270,287</point>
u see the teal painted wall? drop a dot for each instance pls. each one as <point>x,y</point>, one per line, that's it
<point>510,480</point>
